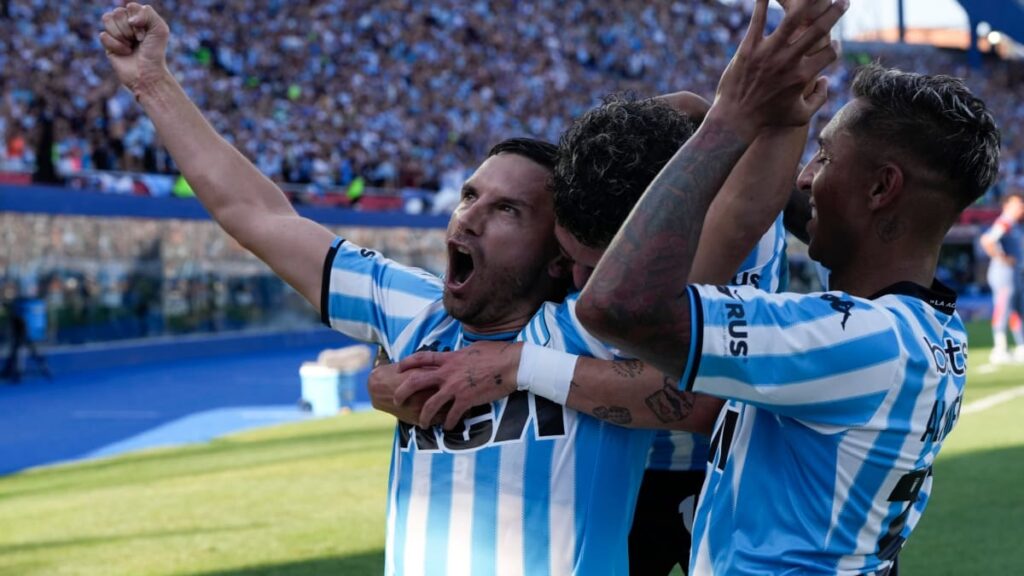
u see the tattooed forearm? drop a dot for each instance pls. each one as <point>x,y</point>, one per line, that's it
<point>669,404</point>
<point>629,368</point>
<point>615,414</point>
<point>636,297</point>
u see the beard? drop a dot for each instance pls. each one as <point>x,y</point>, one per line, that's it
<point>498,295</point>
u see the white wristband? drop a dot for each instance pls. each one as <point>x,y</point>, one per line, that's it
<point>546,372</point>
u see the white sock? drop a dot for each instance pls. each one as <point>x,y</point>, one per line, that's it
<point>1000,340</point>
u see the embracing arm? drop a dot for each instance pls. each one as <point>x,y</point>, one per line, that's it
<point>250,208</point>
<point>626,393</point>
<point>630,393</point>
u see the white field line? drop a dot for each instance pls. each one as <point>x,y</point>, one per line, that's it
<point>993,400</point>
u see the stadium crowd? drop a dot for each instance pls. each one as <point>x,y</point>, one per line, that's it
<point>393,94</point>
<point>410,94</point>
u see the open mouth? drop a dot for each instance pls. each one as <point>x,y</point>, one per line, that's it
<point>460,265</point>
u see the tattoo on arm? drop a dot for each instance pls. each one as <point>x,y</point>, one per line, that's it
<point>615,414</point>
<point>641,282</point>
<point>628,368</point>
<point>669,404</point>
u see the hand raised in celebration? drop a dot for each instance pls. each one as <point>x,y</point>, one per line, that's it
<point>766,82</point>
<point>135,38</point>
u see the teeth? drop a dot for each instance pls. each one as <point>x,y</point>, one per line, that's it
<point>461,250</point>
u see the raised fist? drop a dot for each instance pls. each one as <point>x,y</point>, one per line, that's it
<point>135,38</point>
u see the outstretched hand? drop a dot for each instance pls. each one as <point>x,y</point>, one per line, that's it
<point>766,83</point>
<point>135,38</point>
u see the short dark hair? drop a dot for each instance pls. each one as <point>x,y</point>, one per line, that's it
<point>541,152</point>
<point>606,160</point>
<point>936,120</point>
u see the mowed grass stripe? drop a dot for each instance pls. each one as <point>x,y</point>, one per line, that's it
<point>302,499</point>
<point>309,499</point>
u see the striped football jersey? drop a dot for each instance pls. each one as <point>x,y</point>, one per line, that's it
<point>836,409</point>
<point>523,486</point>
<point>766,268</point>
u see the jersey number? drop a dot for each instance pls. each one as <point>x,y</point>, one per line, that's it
<point>721,442</point>
<point>906,490</point>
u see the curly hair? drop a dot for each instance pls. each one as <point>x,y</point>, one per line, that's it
<point>606,160</point>
<point>934,119</point>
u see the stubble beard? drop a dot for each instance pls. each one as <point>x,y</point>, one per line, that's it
<point>493,301</point>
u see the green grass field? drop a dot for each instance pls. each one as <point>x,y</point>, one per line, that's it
<point>308,499</point>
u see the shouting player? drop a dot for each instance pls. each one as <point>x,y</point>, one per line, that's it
<point>521,486</point>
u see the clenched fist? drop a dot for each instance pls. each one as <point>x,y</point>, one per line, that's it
<point>135,38</point>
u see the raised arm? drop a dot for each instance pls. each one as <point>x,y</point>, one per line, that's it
<point>246,204</point>
<point>636,298</point>
<point>753,196</point>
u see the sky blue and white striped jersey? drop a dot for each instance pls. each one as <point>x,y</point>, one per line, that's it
<point>820,462</point>
<point>525,486</point>
<point>766,267</point>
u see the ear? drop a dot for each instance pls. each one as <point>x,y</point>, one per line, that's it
<point>560,267</point>
<point>888,186</point>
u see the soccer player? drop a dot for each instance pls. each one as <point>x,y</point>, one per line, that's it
<point>596,185</point>
<point>521,486</point>
<point>1004,244</point>
<point>837,403</point>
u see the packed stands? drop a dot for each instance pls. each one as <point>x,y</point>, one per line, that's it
<point>336,100</point>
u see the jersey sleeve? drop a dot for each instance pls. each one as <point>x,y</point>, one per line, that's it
<point>825,358</point>
<point>766,266</point>
<point>369,297</point>
<point>556,326</point>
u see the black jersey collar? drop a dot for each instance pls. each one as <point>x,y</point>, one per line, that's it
<point>938,296</point>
